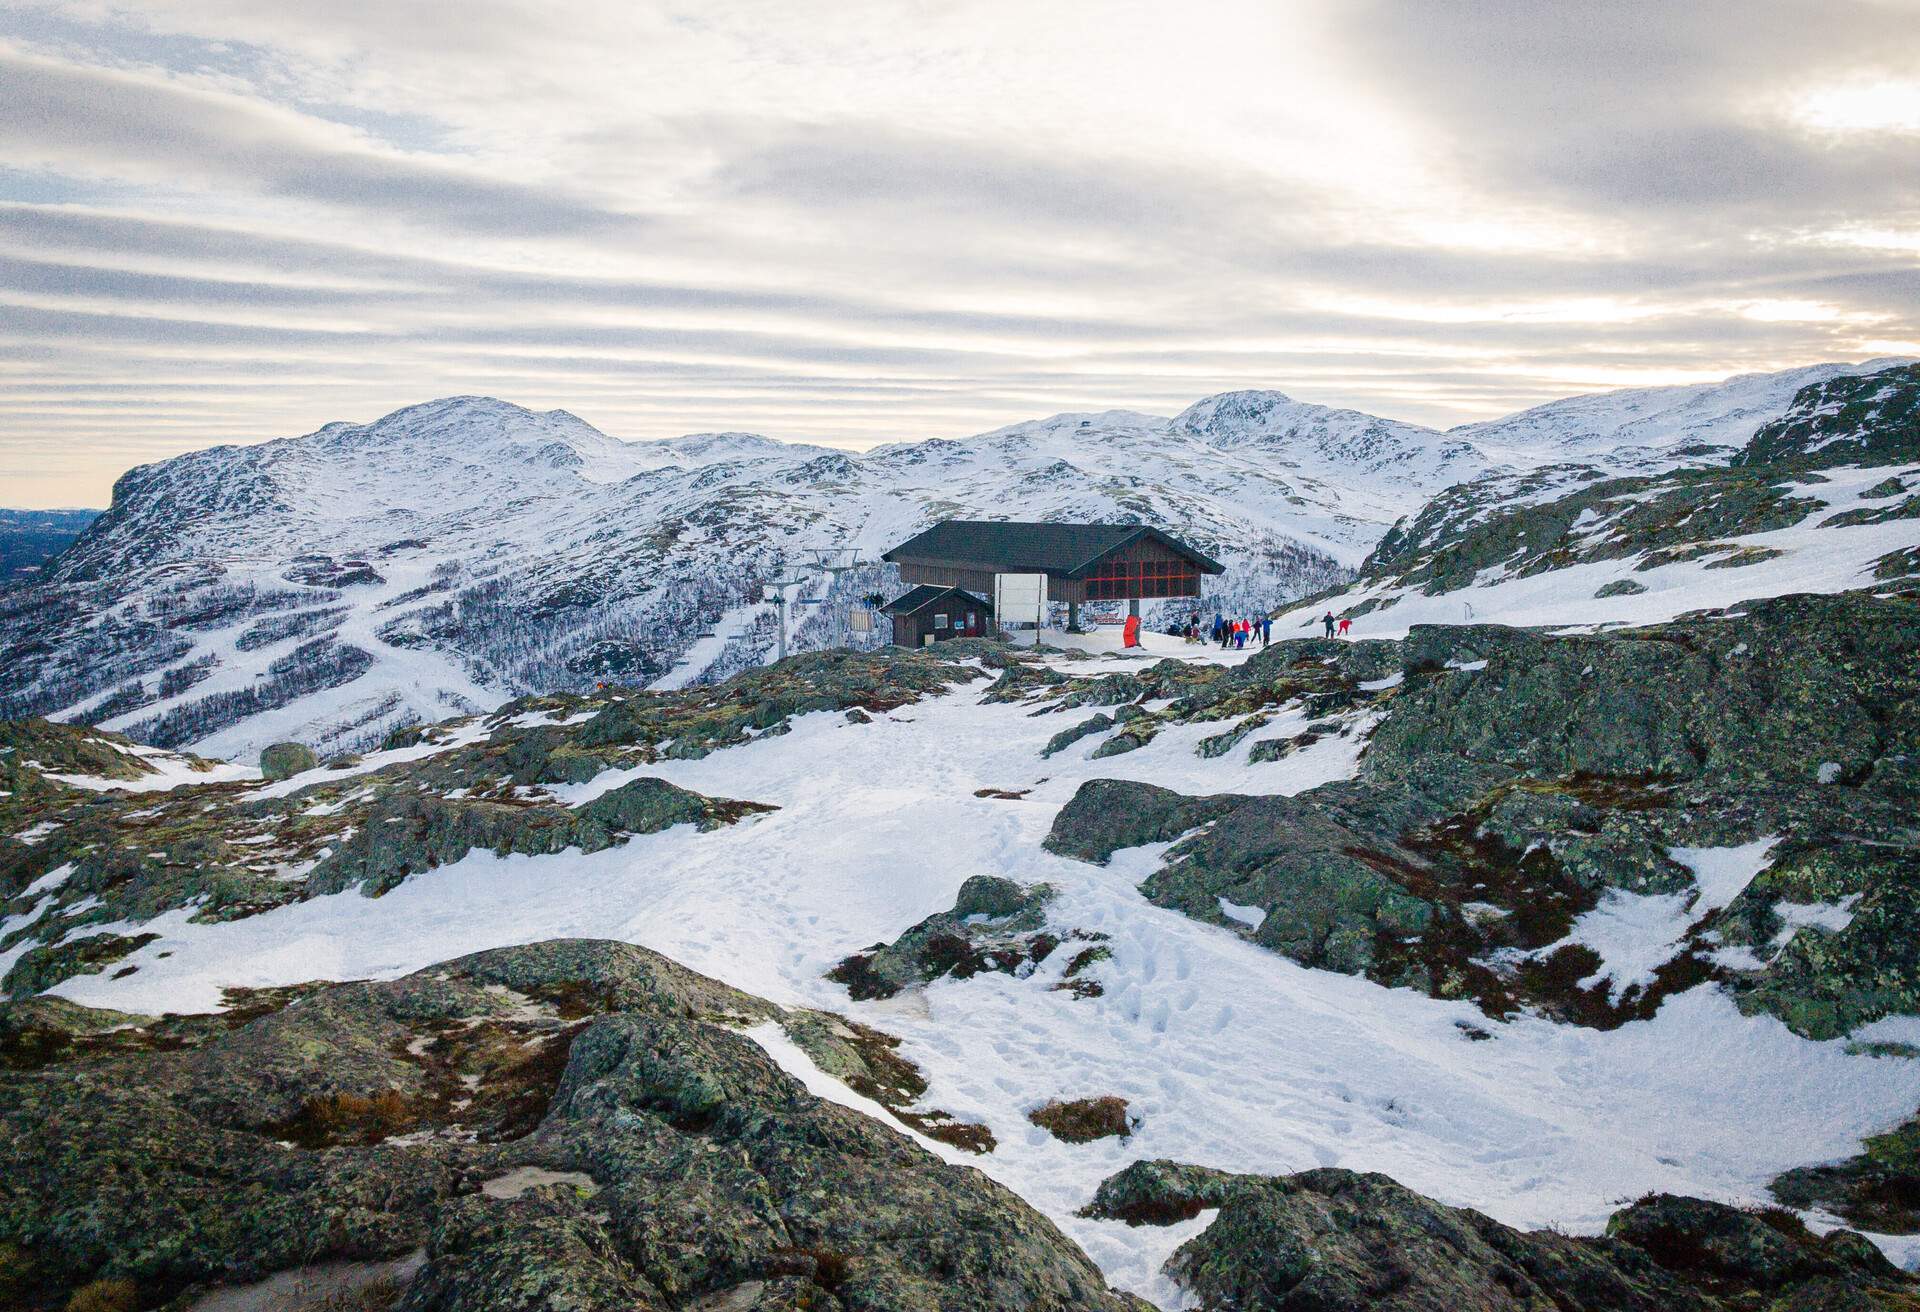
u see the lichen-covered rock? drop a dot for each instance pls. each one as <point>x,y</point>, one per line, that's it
<point>361,1124</point>
<point>42,968</point>
<point>1106,815</point>
<point>284,760</point>
<point>1512,779</point>
<point>995,925</point>
<point>1098,722</point>
<point>1878,1189</point>
<point>1868,419</point>
<point>1331,1240</point>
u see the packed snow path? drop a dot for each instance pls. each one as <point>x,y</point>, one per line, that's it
<point>1229,1055</point>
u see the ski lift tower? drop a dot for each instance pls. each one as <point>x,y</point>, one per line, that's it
<point>826,562</point>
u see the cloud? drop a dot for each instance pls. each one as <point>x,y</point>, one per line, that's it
<point>62,117</point>
<point>235,220</point>
<point>1682,112</point>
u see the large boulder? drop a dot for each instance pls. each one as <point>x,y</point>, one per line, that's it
<point>568,1124</point>
<point>1332,1240</point>
<point>285,760</point>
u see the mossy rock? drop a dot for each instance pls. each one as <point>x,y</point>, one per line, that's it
<point>284,760</point>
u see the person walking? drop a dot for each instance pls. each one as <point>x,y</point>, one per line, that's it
<point>1266,629</point>
<point>1327,620</point>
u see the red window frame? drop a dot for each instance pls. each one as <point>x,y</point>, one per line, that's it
<point>1121,580</point>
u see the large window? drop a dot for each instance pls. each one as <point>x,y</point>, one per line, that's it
<point>1118,580</point>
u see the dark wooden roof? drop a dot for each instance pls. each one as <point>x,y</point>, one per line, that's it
<point>1012,547</point>
<point>926,594</point>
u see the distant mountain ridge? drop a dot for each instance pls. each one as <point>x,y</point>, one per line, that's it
<point>30,538</point>
<point>457,552</point>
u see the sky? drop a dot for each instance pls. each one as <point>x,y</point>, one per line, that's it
<point>855,222</point>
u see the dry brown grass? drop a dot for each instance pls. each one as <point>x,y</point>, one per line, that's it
<point>105,1296</point>
<point>1084,1119</point>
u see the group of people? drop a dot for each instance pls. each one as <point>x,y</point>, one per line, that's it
<point>1231,634</point>
<point>1234,634</point>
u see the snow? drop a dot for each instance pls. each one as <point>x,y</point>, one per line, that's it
<point>49,881</point>
<point>1230,1055</point>
<point>1636,933</point>
<point>1812,559</point>
<point>663,536</point>
<point>447,739</point>
<point>168,770</point>
<point>1721,874</point>
<point>1252,917</point>
<point>1633,934</point>
<point>1795,916</point>
<point>1105,640</point>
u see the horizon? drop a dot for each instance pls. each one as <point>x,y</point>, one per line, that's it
<point>906,441</point>
<point>221,220</point>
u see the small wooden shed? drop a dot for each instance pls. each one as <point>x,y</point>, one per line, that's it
<point>931,613</point>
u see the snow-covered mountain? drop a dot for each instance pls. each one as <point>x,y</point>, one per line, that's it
<point>1207,964</point>
<point>1650,428</point>
<point>328,587</point>
<point>1822,498</point>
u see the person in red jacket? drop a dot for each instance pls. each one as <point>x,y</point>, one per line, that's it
<point>1130,632</point>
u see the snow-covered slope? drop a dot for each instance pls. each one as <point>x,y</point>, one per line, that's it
<point>327,587</point>
<point>1646,428</point>
<point>1824,498</point>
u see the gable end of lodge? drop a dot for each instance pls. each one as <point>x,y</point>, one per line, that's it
<point>1082,562</point>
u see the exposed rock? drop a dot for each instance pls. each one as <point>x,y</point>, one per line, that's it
<point>363,1122</point>
<point>42,968</point>
<point>1095,723</point>
<point>1870,419</point>
<point>1515,778</point>
<point>1620,588</point>
<point>995,925</point>
<point>1106,815</point>
<point>284,760</point>
<point>1877,1190</point>
<point>1332,1241</point>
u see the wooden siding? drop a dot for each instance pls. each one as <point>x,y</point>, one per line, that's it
<point>977,577</point>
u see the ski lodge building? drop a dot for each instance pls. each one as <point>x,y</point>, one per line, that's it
<point>1081,562</point>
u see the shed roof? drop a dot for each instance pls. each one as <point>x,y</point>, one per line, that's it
<point>1012,546</point>
<point>926,594</point>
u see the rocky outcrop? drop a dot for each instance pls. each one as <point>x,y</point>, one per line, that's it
<point>1877,1190</point>
<point>1331,1240</point>
<point>284,760</point>
<point>1515,780</point>
<point>995,925</point>
<point>369,1120</point>
<point>1870,419</point>
<point>1518,526</point>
